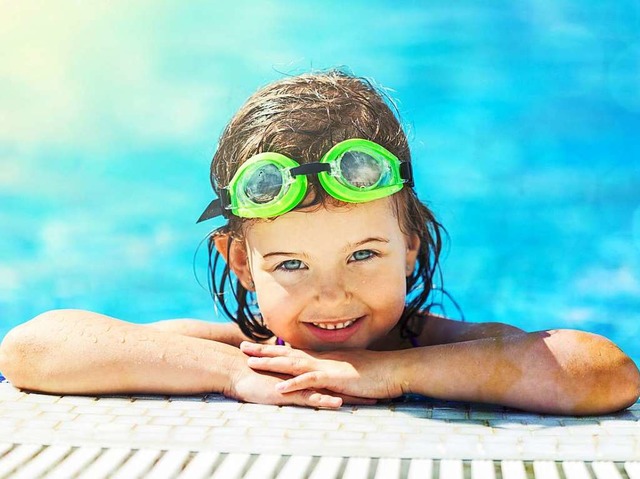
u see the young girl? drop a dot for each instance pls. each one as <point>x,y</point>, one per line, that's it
<point>326,237</point>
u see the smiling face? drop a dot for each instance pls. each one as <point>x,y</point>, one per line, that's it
<point>329,277</point>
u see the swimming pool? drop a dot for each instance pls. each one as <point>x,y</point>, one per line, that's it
<point>521,117</point>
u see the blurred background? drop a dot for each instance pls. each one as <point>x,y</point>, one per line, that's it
<point>523,118</point>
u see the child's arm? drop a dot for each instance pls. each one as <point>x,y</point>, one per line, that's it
<point>561,371</point>
<point>228,333</point>
<point>80,352</point>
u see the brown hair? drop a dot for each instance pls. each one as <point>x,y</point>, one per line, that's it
<point>302,117</point>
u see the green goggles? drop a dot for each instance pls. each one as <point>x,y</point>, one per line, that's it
<point>270,184</point>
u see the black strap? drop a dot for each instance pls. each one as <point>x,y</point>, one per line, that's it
<point>406,172</point>
<point>214,209</point>
<point>310,169</point>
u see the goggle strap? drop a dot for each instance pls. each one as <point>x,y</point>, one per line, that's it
<point>214,209</point>
<point>310,169</point>
<point>406,172</point>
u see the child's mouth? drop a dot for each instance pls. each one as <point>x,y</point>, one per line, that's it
<point>336,331</point>
<point>342,325</point>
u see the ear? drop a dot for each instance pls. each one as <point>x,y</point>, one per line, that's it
<point>235,255</point>
<point>413,246</point>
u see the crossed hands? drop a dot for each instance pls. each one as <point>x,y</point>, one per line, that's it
<point>282,375</point>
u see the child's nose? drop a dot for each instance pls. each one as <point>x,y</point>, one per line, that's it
<point>333,289</point>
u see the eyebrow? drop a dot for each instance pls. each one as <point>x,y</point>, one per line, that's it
<point>375,239</point>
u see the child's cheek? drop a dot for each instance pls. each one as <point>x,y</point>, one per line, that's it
<point>277,306</point>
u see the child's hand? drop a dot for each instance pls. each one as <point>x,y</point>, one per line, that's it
<point>261,387</point>
<point>360,373</point>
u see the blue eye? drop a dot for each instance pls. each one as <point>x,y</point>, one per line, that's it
<point>363,255</point>
<point>291,265</point>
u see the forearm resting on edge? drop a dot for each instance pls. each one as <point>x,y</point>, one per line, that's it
<point>80,352</point>
<point>558,372</point>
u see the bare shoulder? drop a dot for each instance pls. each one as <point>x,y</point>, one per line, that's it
<point>441,330</point>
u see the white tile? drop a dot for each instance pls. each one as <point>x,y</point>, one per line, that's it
<point>164,412</point>
<point>74,463</point>
<point>388,468</point>
<point>152,429</point>
<point>93,419</point>
<point>137,465</point>
<point>344,435</point>
<point>21,414</point>
<point>295,468</point>
<point>56,407</point>
<point>304,434</point>
<point>231,467</point>
<point>451,469</point>
<point>326,468</point>
<point>617,449</point>
<point>575,470</point>
<point>78,400</point>
<point>168,421</point>
<point>482,469</point>
<point>266,432</point>
<point>513,470</point>
<point>189,434</point>
<point>4,447</point>
<point>203,413</point>
<point>357,468</point>
<point>605,470</point>
<point>16,457</point>
<point>632,468</point>
<point>105,464</point>
<point>40,398</point>
<point>169,465</point>
<point>58,416</point>
<point>420,468</point>
<point>135,420</point>
<point>47,458</point>
<point>264,466</point>
<point>8,424</point>
<point>200,466</point>
<point>112,427</point>
<point>18,406</point>
<point>382,436</point>
<point>545,470</point>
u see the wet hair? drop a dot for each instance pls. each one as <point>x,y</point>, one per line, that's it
<point>302,117</point>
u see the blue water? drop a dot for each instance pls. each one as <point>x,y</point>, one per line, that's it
<point>522,118</point>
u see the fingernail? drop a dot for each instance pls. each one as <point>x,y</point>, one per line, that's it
<point>281,386</point>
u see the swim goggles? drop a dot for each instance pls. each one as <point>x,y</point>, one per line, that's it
<point>270,184</point>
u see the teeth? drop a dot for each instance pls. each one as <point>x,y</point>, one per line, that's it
<point>346,324</point>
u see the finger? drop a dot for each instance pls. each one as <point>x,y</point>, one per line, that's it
<point>266,350</point>
<point>318,399</point>
<point>309,380</point>
<point>283,365</point>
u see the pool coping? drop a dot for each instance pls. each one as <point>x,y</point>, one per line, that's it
<point>413,427</point>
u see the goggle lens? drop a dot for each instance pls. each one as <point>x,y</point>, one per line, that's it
<point>362,170</point>
<point>263,184</point>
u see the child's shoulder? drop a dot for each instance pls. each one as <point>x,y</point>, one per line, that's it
<point>442,330</point>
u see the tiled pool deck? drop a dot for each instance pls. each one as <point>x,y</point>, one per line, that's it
<point>211,436</point>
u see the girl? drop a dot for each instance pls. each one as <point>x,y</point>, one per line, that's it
<point>329,258</point>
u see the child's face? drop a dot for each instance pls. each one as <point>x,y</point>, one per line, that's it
<point>335,267</point>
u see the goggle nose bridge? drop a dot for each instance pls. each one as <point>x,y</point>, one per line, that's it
<point>310,169</point>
